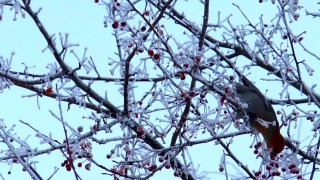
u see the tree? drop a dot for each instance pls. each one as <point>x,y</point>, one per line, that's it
<point>161,89</point>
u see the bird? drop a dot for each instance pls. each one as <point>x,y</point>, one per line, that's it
<point>260,108</point>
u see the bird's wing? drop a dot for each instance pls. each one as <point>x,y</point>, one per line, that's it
<point>249,84</point>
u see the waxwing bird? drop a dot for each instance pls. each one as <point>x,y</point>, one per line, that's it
<point>262,116</point>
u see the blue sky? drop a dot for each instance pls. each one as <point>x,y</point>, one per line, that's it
<point>84,23</point>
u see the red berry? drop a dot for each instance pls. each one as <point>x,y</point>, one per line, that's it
<point>150,52</point>
<point>192,93</point>
<point>140,130</point>
<point>291,166</point>
<point>146,13</point>
<point>80,128</point>
<point>167,166</point>
<point>197,59</point>
<point>259,144</point>
<point>140,50</point>
<point>176,174</point>
<point>68,167</point>
<point>115,25</point>
<point>222,99</point>
<point>161,159</point>
<point>48,91</point>
<point>79,164</point>
<point>89,156</point>
<point>182,76</point>
<point>156,57</point>
<point>88,166</point>
<point>128,152</point>
<point>143,28</point>
<point>268,167</point>
<point>296,171</point>
<point>108,156</point>
<point>96,1</point>
<point>227,90</point>
<point>221,169</point>
<point>153,166</point>
<point>123,24</point>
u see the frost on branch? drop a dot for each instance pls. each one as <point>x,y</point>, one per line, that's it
<point>159,96</point>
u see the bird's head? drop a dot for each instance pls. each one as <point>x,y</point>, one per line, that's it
<point>276,144</point>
